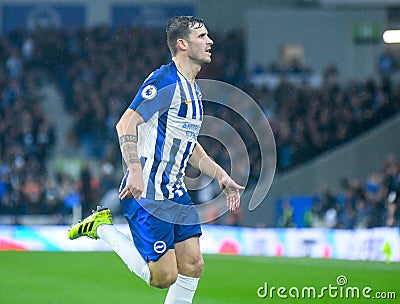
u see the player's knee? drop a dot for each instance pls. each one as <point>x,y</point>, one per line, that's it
<point>164,281</point>
<point>194,268</point>
<point>198,267</point>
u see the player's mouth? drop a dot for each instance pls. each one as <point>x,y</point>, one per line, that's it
<point>208,51</point>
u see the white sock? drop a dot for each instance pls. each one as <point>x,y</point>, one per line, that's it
<point>182,291</point>
<point>126,249</point>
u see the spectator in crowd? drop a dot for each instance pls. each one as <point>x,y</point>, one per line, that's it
<point>87,188</point>
<point>391,169</point>
<point>386,64</point>
<point>286,220</point>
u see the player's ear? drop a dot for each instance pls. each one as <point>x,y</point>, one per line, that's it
<point>182,44</point>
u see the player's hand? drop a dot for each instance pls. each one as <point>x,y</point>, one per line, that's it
<point>134,183</point>
<point>231,190</point>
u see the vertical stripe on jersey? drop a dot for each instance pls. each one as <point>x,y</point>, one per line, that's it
<point>185,157</point>
<point>183,107</point>
<point>186,89</point>
<point>198,99</point>
<point>161,130</point>
<point>172,158</point>
<point>194,105</point>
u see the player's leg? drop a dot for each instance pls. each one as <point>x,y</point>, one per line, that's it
<point>99,225</point>
<point>160,272</point>
<point>190,266</point>
<point>154,239</point>
<point>126,250</point>
<point>164,271</point>
<point>188,256</point>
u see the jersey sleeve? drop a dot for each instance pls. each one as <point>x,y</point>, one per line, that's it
<point>155,95</point>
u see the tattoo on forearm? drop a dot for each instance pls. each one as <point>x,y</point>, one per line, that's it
<point>132,159</point>
<point>129,152</point>
<point>128,144</point>
<point>132,148</point>
<point>127,138</point>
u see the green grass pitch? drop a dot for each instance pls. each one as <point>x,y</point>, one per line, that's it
<point>101,277</point>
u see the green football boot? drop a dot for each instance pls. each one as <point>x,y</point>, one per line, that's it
<point>88,227</point>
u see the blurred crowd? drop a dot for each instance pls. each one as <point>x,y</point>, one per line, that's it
<point>26,135</point>
<point>361,203</point>
<point>98,71</point>
<point>307,121</point>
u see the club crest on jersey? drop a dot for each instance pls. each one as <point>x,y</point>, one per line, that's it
<point>160,246</point>
<point>188,102</point>
<point>149,92</point>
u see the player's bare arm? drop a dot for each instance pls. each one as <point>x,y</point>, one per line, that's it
<point>128,139</point>
<point>206,165</point>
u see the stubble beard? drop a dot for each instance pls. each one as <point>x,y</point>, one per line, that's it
<point>200,61</point>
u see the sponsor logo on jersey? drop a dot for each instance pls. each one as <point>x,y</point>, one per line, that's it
<point>149,92</point>
<point>191,130</point>
<point>160,246</point>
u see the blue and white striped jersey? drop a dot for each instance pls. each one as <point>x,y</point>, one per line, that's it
<point>172,110</point>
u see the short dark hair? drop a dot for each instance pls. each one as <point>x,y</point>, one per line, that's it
<point>178,27</point>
